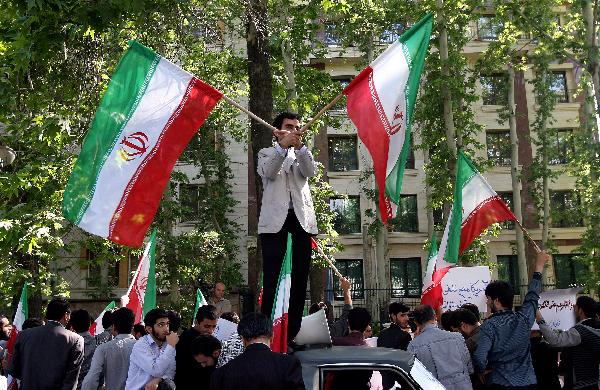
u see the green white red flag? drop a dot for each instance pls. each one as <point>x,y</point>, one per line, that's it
<point>141,295</point>
<point>380,103</point>
<point>432,292</point>
<point>147,116</point>
<point>200,301</point>
<point>96,327</point>
<point>282,302</point>
<point>481,207</point>
<point>21,315</point>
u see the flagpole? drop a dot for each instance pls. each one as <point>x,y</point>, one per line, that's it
<point>327,107</point>
<point>331,265</point>
<point>251,114</point>
<point>535,245</point>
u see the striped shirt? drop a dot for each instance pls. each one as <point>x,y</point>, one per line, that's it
<point>504,342</point>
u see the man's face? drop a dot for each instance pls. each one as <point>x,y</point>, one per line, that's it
<point>491,304</point>
<point>206,327</point>
<point>289,125</point>
<point>400,319</point>
<point>160,330</point>
<point>5,327</point>
<point>207,361</point>
<point>219,290</point>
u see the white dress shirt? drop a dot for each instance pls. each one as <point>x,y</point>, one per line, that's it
<point>149,361</point>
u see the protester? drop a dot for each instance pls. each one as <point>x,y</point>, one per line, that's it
<point>358,320</point>
<point>153,355</point>
<point>5,327</point>
<point>111,359</point>
<point>443,353</point>
<point>258,368</point>
<point>174,321</point>
<point>465,322</point>
<point>338,328</point>
<point>544,359</point>
<point>446,320</point>
<point>503,344</point>
<point>81,322</point>
<point>231,348</point>
<point>32,323</point>
<point>217,299</point>
<point>287,207</point>
<point>49,356</point>
<point>581,343</point>
<point>473,309</point>
<point>394,336</point>
<point>106,334</point>
<point>368,333</point>
<point>139,330</point>
<point>189,371</point>
<point>206,350</point>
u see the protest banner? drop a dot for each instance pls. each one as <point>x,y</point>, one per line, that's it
<point>224,329</point>
<point>557,308</point>
<point>465,285</point>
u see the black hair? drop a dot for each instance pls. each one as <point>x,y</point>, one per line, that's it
<point>107,320</point>
<point>32,323</point>
<point>123,319</point>
<point>588,305</point>
<point>57,308</point>
<point>473,309</point>
<point>358,319</point>
<point>206,312</point>
<point>446,320</point>
<point>423,314</point>
<point>231,316</point>
<point>398,307</point>
<point>174,320</point>
<point>278,121</point>
<point>81,320</point>
<point>154,315</point>
<point>254,325</point>
<point>139,328</point>
<point>502,291</point>
<point>315,307</point>
<point>463,315</point>
<point>205,345</point>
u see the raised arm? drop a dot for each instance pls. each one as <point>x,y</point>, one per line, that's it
<point>530,303</point>
<point>306,162</point>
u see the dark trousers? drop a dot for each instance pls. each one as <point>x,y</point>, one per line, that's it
<point>498,387</point>
<point>273,251</point>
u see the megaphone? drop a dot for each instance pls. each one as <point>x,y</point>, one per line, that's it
<point>314,330</point>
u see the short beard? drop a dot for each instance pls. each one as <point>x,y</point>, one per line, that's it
<point>157,336</point>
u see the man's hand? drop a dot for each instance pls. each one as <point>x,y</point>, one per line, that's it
<point>538,316</point>
<point>172,339</point>
<point>153,384</point>
<point>345,284</point>
<point>541,259</point>
<point>289,139</point>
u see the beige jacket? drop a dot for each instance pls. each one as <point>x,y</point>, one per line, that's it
<point>279,187</point>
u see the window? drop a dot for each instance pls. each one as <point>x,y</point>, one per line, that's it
<point>410,159</point>
<point>498,147</point>
<point>190,198</point>
<point>558,86</point>
<point>392,34</point>
<point>343,82</point>
<point>343,153</point>
<point>560,146</point>
<point>406,277</point>
<point>568,270</point>
<point>488,29</point>
<point>353,271</point>
<point>406,219</point>
<point>494,89</point>
<point>438,219</point>
<point>330,35</point>
<point>96,274</point>
<point>565,209</point>
<point>355,376</point>
<point>508,270</point>
<point>507,197</point>
<point>347,214</point>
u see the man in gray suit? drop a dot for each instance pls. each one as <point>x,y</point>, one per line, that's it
<point>49,356</point>
<point>287,207</point>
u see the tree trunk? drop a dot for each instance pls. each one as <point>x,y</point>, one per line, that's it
<point>514,174</point>
<point>593,65</point>
<point>430,221</point>
<point>260,102</point>
<point>317,287</point>
<point>290,78</point>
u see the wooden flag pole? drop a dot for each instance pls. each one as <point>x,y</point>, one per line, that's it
<point>535,245</point>
<point>244,109</point>
<point>331,265</point>
<point>321,112</point>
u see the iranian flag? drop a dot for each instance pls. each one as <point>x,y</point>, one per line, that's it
<point>480,206</point>
<point>21,315</point>
<point>282,302</point>
<point>432,292</point>
<point>141,295</point>
<point>147,116</point>
<point>381,101</point>
<point>200,301</point>
<point>96,327</point>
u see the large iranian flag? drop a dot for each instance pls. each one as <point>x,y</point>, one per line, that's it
<point>381,101</point>
<point>147,116</point>
<point>21,315</point>
<point>282,302</point>
<point>481,206</point>
<point>141,295</point>
<point>96,327</point>
<point>432,292</point>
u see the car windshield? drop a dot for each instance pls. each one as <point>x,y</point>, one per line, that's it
<point>423,377</point>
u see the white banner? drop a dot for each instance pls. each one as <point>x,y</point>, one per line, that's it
<point>557,308</point>
<point>224,329</point>
<point>465,285</point>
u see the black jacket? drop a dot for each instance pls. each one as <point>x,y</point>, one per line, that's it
<point>259,368</point>
<point>394,337</point>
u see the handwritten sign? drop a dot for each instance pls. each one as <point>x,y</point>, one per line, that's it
<point>557,308</point>
<point>465,285</point>
<point>224,329</point>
